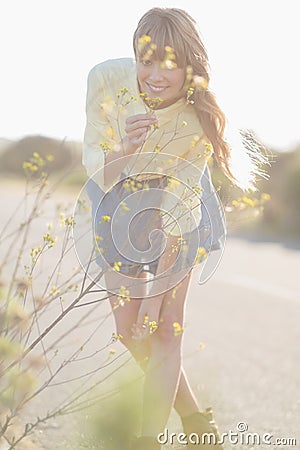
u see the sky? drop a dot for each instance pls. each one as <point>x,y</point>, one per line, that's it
<point>48,48</point>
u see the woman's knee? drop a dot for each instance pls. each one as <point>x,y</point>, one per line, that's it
<point>139,349</point>
<point>125,337</point>
<point>169,332</point>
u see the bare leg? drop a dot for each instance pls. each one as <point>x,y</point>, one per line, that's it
<point>125,317</point>
<point>164,365</point>
<point>185,402</point>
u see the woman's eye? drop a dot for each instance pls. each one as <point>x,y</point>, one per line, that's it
<point>146,62</point>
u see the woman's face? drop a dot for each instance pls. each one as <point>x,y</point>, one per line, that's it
<point>158,81</point>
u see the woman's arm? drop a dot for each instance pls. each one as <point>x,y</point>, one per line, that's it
<point>98,129</point>
<point>96,124</point>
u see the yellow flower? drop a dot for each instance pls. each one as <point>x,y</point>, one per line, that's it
<point>146,38</point>
<point>66,221</point>
<point>249,201</point>
<point>177,329</point>
<point>152,326</point>
<point>174,293</point>
<point>169,49</point>
<point>130,185</point>
<point>153,102</point>
<point>49,240</point>
<point>200,82</point>
<point>116,337</point>
<point>168,64</point>
<point>189,94</point>
<point>265,197</point>
<point>208,147</point>
<point>123,295</point>
<point>124,90</point>
<point>54,290</point>
<point>194,141</point>
<point>105,146</point>
<point>148,54</point>
<point>143,40</point>
<point>197,190</point>
<point>201,254</point>
<point>146,320</point>
<point>38,159</point>
<point>117,266</point>
<point>29,166</point>
<point>189,74</point>
<point>124,207</point>
<point>110,132</point>
<point>174,248</point>
<point>173,182</point>
<point>105,218</point>
<point>112,351</point>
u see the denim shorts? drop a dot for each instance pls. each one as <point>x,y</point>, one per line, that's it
<point>110,228</point>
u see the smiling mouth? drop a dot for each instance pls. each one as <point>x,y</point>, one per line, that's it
<point>157,89</point>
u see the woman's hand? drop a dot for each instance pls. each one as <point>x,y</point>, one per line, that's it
<point>148,318</point>
<point>136,129</point>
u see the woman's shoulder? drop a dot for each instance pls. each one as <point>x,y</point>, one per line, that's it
<point>114,71</point>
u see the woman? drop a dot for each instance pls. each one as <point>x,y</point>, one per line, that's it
<point>159,105</point>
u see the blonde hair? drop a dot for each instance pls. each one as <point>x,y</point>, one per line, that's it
<point>176,28</point>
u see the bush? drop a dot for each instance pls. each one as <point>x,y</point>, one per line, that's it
<point>282,213</point>
<point>64,153</point>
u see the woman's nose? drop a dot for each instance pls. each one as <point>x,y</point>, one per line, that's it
<point>156,73</point>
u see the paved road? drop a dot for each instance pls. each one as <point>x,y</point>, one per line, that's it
<point>241,346</point>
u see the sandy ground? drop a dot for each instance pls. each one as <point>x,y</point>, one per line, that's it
<point>241,347</point>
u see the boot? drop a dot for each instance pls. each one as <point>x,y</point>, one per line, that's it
<point>146,443</point>
<point>200,423</point>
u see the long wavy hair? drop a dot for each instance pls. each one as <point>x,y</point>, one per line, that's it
<point>175,28</point>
